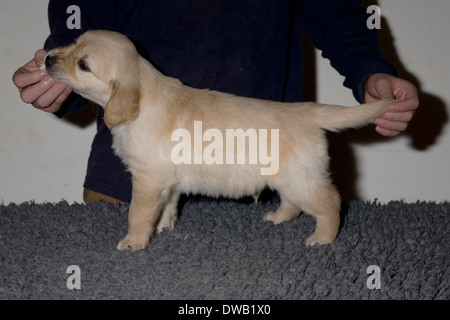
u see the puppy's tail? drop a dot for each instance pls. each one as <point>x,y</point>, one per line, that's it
<point>336,118</point>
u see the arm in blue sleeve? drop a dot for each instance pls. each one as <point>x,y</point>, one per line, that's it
<point>339,29</point>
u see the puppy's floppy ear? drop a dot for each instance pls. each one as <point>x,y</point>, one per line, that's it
<point>123,105</point>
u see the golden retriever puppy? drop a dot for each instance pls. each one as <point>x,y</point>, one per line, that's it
<point>176,139</point>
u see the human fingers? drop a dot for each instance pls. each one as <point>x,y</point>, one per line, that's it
<point>408,100</point>
<point>401,112</point>
<point>27,75</point>
<point>394,122</point>
<point>31,93</point>
<point>52,100</point>
<point>387,132</point>
<point>392,128</point>
<point>31,72</point>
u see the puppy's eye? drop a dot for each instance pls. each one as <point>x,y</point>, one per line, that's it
<point>83,65</point>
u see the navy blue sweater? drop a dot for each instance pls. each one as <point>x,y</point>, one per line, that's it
<point>245,47</point>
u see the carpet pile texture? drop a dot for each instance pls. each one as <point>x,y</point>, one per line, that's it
<point>221,249</point>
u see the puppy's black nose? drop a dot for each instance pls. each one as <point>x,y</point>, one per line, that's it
<point>49,60</point>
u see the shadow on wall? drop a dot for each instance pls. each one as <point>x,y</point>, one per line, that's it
<point>432,115</point>
<point>424,129</point>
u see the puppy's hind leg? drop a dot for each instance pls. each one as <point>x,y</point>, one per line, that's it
<point>322,201</point>
<point>285,212</point>
<point>325,206</point>
<point>169,215</point>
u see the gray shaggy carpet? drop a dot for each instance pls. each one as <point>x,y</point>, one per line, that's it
<point>221,249</point>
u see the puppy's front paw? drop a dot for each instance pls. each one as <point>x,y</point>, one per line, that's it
<point>318,239</point>
<point>130,243</point>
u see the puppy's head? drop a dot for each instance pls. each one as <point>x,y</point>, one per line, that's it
<point>101,66</point>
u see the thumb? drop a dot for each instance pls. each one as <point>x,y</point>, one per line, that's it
<point>383,87</point>
<point>39,57</point>
<point>386,94</point>
<point>379,87</point>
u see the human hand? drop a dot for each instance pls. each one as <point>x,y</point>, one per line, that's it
<point>383,86</point>
<point>37,87</point>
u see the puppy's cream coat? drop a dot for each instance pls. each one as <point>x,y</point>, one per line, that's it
<point>143,108</point>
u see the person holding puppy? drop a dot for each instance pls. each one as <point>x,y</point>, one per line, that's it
<point>247,48</point>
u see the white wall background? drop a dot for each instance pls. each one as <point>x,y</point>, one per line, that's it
<point>44,159</point>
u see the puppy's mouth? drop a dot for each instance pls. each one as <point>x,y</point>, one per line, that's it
<point>53,69</point>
